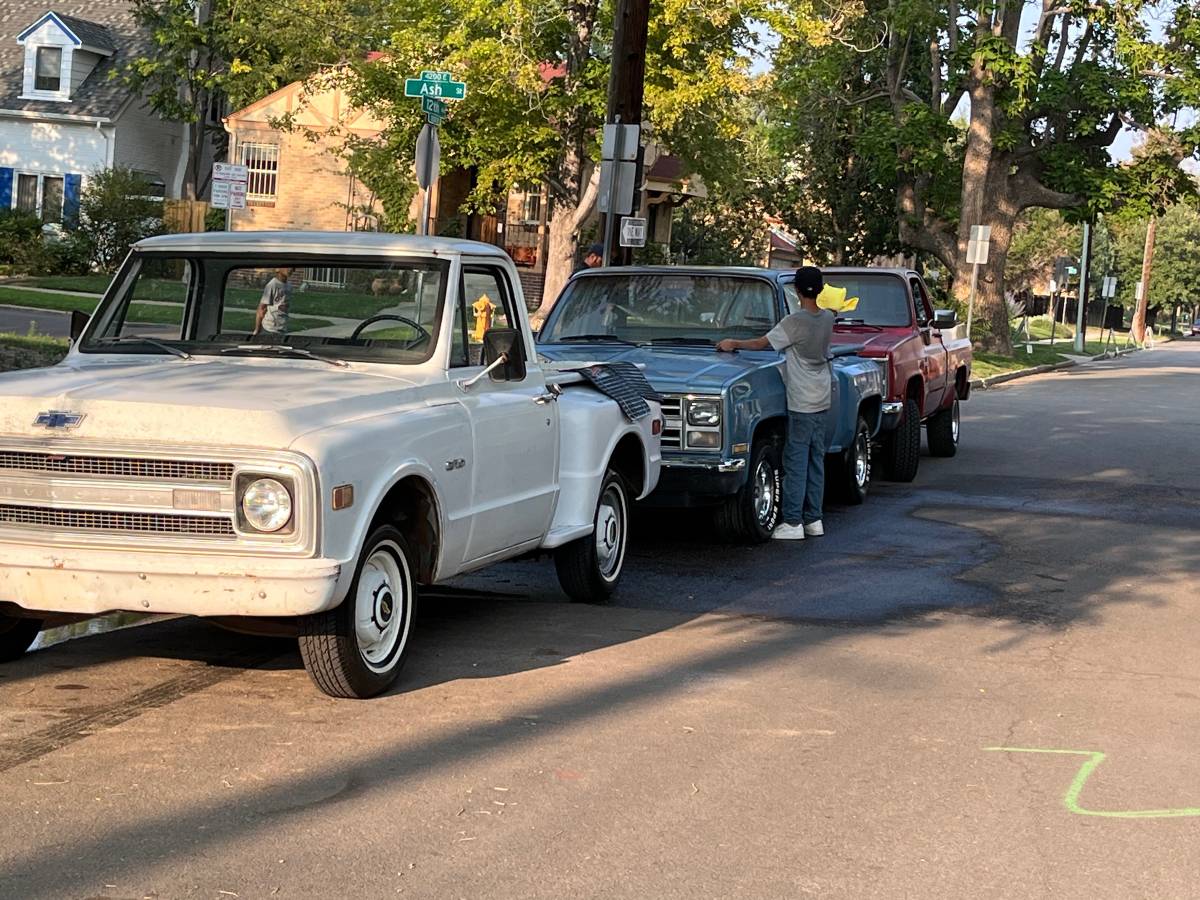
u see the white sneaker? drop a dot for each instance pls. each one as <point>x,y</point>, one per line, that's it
<point>788,533</point>
<point>815,529</point>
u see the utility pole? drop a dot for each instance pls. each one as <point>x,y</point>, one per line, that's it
<point>1085,268</point>
<point>1138,327</point>
<point>626,86</point>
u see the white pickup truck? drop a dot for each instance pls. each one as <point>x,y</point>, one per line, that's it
<point>291,432</point>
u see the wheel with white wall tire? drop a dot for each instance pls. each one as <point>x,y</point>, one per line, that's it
<point>902,447</point>
<point>356,650</point>
<point>942,431</point>
<point>750,515</point>
<point>853,469</point>
<point>17,636</point>
<point>590,567</point>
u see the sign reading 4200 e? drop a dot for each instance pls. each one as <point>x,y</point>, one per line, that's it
<point>436,85</point>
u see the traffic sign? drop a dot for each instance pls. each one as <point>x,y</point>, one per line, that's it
<point>977,246</point>
<point>230,172</point>
<point>621,193</point>
<point>1109,288</point>
<point>228,194</point>
<point>435,85</point>
<point>633,231</point>
<point>429,156</point>
<point>432,107</point>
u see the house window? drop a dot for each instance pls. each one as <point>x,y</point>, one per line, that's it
<point>47,73</point>
<point>531,209</point>
<point>262,161</point>
<point>41,195</point>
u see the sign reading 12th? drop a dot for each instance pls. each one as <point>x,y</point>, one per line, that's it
<point>435,85</point>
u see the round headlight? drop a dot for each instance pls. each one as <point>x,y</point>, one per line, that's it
<point>267,505</point>
<point>704,412</point>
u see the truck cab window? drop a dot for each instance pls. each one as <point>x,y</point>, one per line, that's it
<point>921,302</point>
<point>484,303</point>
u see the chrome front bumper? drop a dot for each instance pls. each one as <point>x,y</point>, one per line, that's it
<point>724,465</point>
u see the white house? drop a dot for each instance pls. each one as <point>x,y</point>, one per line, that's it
<point>62,115</point>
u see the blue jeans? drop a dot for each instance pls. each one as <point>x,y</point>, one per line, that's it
<point>804,468</point>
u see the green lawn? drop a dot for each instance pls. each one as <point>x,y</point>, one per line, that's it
<point>89,284</point>
<point>987,364</point>
<point>29,352</point>
<point>61,302</point>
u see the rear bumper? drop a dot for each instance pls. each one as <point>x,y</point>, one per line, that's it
<point>91,581</point>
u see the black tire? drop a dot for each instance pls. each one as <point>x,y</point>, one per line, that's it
<point>589,568</point>
<point>942,431</point>
<point>16,636</point>
<point>902,447</point>
<point>852,471</point>
<point>750,515</point>
<point>338,660</point>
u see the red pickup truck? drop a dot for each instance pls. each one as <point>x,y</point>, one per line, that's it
<point>927,368</point>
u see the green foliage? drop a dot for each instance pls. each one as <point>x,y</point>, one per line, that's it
<point>709,232</point>
<point>1175,275</point>
<point>116,210</point>
<point>1039,238</point>
<point>19,231</point>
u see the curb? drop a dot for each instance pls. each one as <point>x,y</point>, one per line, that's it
<point>985,383</point>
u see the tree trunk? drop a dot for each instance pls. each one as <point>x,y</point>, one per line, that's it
<point>562,240</point>
<point>1138,326</point>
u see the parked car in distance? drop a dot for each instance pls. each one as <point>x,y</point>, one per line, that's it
<point>306,480</point>
<point>927,367</point>
<point>726,413</point>
<point>1195,328</point>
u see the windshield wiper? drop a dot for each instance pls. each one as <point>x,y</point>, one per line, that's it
<point>708,342</point>
<point>287,348</point>
<point>861,323</point>
<point>584,338</point>
<point>142,339</point>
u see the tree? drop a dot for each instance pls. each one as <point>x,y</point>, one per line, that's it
<point>1040,113</point>
<point>1040,236</point>
<point>537,72</point>
<point>206,56</point>
<point>116,211</point>
<point>1176,278</point>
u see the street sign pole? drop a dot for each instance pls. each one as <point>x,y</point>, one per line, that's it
<point>626,88</point>
<point>433,89</point>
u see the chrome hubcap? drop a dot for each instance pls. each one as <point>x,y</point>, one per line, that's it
<point>764,492</point>
<point>610,532</point>
<point>381,604</point>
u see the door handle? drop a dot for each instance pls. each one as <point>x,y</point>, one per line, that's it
<point>543,399</point>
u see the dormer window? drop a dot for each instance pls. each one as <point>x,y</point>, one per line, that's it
<point>60,53</point>
<point>47,74</point>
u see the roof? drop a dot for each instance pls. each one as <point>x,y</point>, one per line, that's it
<point>743,271</point>
<point>104,24</point>
<point>317,243</point>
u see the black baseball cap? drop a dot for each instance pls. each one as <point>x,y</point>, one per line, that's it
<point>809,281</point>
<point>595,250</point>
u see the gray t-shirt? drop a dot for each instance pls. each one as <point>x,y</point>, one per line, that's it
<point>276,296</point>
<point>803,339</point>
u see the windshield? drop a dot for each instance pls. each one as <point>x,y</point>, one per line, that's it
<point>387,311</point>
<point>643,307</point>
<point>882,299</point>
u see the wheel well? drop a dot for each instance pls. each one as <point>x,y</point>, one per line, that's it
<point>411,506</point>
<point>769,429</point>
<point>629,461</point>
<point>871,409</point>
<point>916,391</point>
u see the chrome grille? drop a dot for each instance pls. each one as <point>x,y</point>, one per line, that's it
<point>99,520</point>
<point>672,410</point>
<point>116,466</point>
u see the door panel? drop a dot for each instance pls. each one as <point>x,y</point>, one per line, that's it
<point>514,463</point>
<point>933,364</point>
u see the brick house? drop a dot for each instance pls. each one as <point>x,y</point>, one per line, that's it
<point>299,179</point>
<point>61,115</point>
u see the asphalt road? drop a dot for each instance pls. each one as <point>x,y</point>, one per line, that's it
<point>17,321</point>
<point>790,720</point>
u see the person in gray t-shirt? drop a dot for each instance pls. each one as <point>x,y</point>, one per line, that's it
<point>272,316</point>
<point>803,338</point>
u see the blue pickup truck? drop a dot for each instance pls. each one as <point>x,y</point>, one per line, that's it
<point>726,413</point>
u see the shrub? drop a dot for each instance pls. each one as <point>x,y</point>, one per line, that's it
<point>20,236</point>
<point>116,211</point>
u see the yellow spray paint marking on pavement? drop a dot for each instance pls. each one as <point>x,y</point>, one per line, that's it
<point>1071,798</point>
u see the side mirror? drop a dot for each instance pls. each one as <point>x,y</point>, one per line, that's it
<point>504,342</point>
<point>944,319</point>
<point>79,322</point>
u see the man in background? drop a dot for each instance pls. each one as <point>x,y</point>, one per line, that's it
<point>593,259</point>
<point>803,338</point>
<point>272,316</point>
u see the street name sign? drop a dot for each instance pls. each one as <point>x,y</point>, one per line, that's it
<point>435,85</point>
<point>633,231</point>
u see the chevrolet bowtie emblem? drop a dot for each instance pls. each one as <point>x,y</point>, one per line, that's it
<point>56,418</point>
